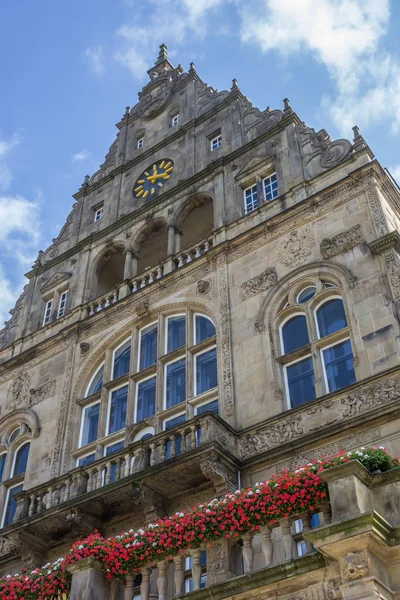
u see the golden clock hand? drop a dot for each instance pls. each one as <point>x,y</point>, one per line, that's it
<point>153,178</point>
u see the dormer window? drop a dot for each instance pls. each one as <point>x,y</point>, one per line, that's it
<point>98,212</point>
<point>175,120</point>
<point>216,142</point>
<point>140,142</point>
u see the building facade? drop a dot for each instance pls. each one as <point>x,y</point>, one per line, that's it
<point>222,303</point>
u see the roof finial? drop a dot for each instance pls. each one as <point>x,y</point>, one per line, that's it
<point>163,55</point>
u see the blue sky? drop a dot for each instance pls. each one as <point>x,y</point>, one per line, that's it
<point>70,67</point>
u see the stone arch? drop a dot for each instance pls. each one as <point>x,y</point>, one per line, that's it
<point>151,244</point>
<point>26,418</point>
<point>321,269</point>
<point>108,269</point>
<point>195,219</point>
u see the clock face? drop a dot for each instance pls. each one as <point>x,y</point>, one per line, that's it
<point>153,178</point>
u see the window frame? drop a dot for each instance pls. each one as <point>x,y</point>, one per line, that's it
<point>286,381</point>
<point>9,488</point>
<point>78,458</point>
<point>113,358</point>
<point>135,408</point>
<point>250,187</point>
<point>47,317</point>
<point>139,347</point>
<point>195,315</point>
<point>217,138</point>
<point>167,319</point>
<point>281,325</point>
<point>195,355</point>
<point>203,403</point>
<point>15,453</point>
<point>140,142</point>
<point>175,120</point>
<point>264,179</point>
<point>337,342</point>
<point>110,392</point>
<point>98,210</point>
<point>318,306</point>
<point>170,362</point>
<point>84,408</point>
<point>62,298</point>
<point>92,379</point>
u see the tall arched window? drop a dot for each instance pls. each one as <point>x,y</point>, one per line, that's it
<point>15,484</point>
<point>321,329</point>
<point>168,369</point>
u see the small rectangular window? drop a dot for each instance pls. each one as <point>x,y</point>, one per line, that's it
<point>175,384</point>
<point>175,120</point>
<point>62,304</point>
<point>208,406</point>
<point>47,312</point>
<point>117,416</point>
<point>300,382</point>
<point>250,199</point>
<point>140,142</point>
<point>11,505</point>
<point>122,357</point>
<point>86,460</point>
<point>146,399</point>
<point>90,423</point>
<point>98,213</point>
<point>339,366</point>
<point>216,142</point>
<point>176,332</point>
<point>206,371</point>
<point>148,347</point>
<point>270,187</point>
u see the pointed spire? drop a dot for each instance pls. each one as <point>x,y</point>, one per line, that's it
<point>163,55</point>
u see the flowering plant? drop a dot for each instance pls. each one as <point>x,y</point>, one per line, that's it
<point>290,493</point>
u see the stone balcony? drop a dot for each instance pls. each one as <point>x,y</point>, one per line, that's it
<point>138,480</point>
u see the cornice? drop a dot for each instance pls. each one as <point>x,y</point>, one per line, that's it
<point>386,242</point>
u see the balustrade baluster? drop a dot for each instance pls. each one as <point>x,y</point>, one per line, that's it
<point>267,545</point>
<point>198,252</point>
<point>162,579</point>
<point>129,587</point>
<point>143,282</point>
<point>153,455</point>
<point>119,471</point>
<point>182,433</point>
<point>188,257</point>
<point>127,469</point>
<point>151,279</point>
<point>287,539</point>
<point>39,503</point>
<point>49,498</point>
<point>134,286</point>
<point>206,246</point>
<point>67,491</point>
<point>193,437</point>
<point>306,519</point>
<point>173,446</point>
<point>145,585</point>
<point>159,272</point>
<point>179,576</point>
<point>248,552</point>
<point>31,511</point>
<point>108,473</point>
<point>99,477</point>
<point>90,479</point>
<point>162,449</point>
<point>196,568</point>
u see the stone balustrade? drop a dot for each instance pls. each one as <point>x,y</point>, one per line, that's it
<point>128,462</point>
<point>187,256</point>
<point>102,302</point>
<point>146,278</point>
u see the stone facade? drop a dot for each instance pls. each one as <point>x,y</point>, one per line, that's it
<point>217,241</point>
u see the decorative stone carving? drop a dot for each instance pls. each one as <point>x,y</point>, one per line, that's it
<point>393,269</point>
<point>62,415</point>
<point>225,336</point>
<point>142,309</point>
<point>274,435</point>
<point>20,394</point>
<point>258,284</point>
<point>354,565</point>
<point>223,477</point>
<point>152,502</point>
<point>378,215</point>
<point>332,590</point>
<point>8,546</point>
<point>341,242</point>
<point>85,347</point>
<point>319,144</point>
<point>7,335</point>
<point>371,396</point>
<point>294,249</point>
<point>42,392</point>
<point>203,286</point>
<point>81,522</point>
<point>216,558</point>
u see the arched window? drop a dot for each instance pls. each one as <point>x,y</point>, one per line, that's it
<point>21,460</point>
<point>3,458</point>
<point>331,317</point>
<point>329,338</point>
<point>13,436</point>
<point>171,367</point>
<point>294,333</point>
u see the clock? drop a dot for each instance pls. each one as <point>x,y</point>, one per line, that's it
<point>153,178</point>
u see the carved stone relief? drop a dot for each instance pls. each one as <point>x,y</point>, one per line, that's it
<point>341,242</point>
<point>225,337</point>
<point>393,270</point>
<point>354,565</point>
<point>203,286</point>
<point>258,284</point>
<point>62,415</point>
<point>20,394</point>
<point>269,437</point>
<point>223,477</point>
<point>378,216</point>
<point>294,249</point>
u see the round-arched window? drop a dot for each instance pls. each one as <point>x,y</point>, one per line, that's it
<point>21,460</point>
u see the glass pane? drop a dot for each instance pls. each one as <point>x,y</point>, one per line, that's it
<point>205,329</point>
<point>146,399</point>
<point>206,371</point>
<point>176,382</point>
<point>213,406</point>
<point>86,460</point>
<point>90,424</point>
<point>2,463</point>
<point>339,366</point>
<point>97,382</point>
<point>331,317</point>
<point>300,378</point>
<point>178,440</point>
<point>121,360</point>
<point>21,460</point>
<point>12,504</point>
<point>14,435</point>
<point>176,333</point>
<point>306,294</point>
<point>294,334</point>
<point>117,419</point>
<point>271,187</point>
<point>148,347</point>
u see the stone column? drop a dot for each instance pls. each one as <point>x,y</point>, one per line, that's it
<point>89,582</point>
<point>125,288</point>
<point>171,240</point>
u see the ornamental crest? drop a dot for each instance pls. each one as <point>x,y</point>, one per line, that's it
<point>295,248</point>
<point>354,565</point>
<point>258,284</point>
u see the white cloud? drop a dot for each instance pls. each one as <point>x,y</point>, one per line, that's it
<point>343,35</point>
<point>6,145</point>
<point>82,155</point>
<point>96,59</point>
